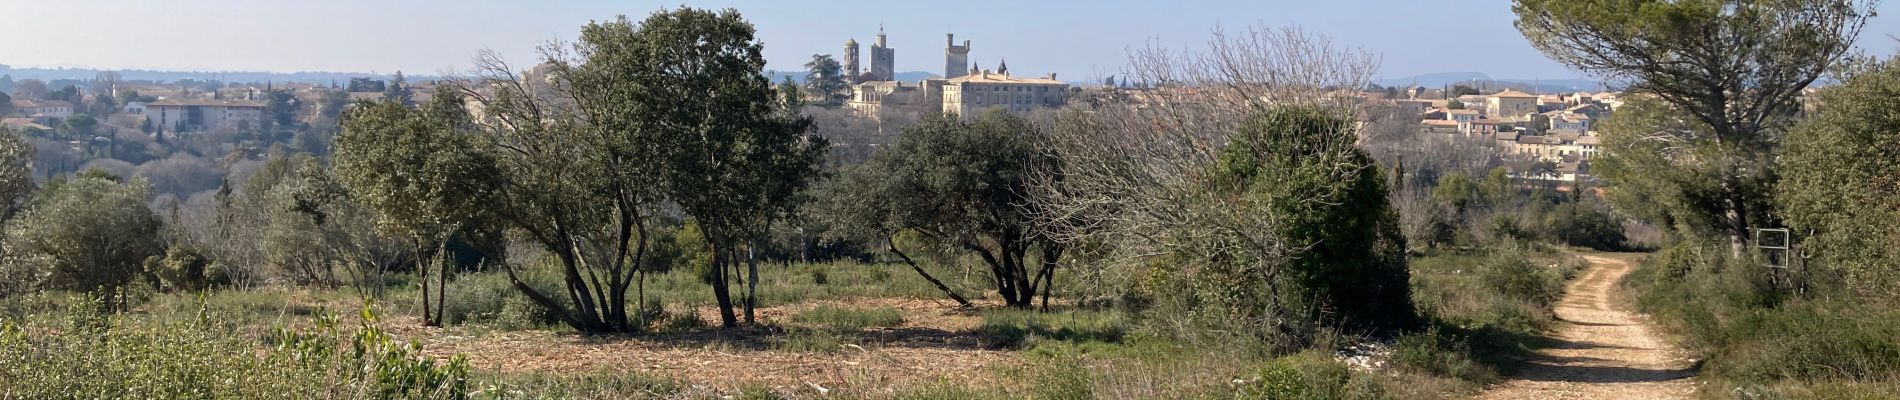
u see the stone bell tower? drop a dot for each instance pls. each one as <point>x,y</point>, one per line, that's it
<point>851,70</point>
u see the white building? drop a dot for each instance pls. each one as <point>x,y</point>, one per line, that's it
<point>1464,118</point>
<point>43,109</point>
<point>196,115</point>
<point>1567,120</point>
<point>970,95</point>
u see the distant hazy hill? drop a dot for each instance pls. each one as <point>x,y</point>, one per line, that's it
<point>1479,79</point>
<point>48,74</point>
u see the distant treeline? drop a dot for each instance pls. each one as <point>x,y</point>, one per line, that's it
<point>49,74</point>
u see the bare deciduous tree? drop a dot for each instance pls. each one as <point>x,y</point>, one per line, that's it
<point>1137,179</point>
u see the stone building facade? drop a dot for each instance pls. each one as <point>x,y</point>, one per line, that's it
<point>972,94</point>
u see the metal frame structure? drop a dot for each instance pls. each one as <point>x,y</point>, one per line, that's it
<point>1776,252</point>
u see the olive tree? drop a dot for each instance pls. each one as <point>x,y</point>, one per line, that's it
<point>16,171</point>
<point>87,233</point>
<point>960,184</point>
<point>603,134</point>
<point>731,154</point>
<point>418,169</point>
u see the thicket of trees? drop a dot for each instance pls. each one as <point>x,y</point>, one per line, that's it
<point>1725,77</point>
<point>586,153</point>
<point>1840,181</point>
<point>1722,136</point>
<point>1718,90</point>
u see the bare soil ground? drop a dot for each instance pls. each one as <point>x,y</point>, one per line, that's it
<point>1601,350</point>
<point>934,343</point>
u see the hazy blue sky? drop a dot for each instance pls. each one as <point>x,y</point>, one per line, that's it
<point>1077,39</point>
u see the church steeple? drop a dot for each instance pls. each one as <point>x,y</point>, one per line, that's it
<point>1002,67</point>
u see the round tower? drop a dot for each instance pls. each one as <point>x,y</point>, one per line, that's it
<point>851,61</point>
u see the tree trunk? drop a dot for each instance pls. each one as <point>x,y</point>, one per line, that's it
<point>1017,258</point>
<point>442,283</point>
<point>721,292</point>
<point>1051,253</point>
<point>630,224</point>
<point>892,243</point>
<point>752,280</point>
<point>586,310</point>
<point>1735,211</point>
<point>640,289</point>
<point>566,316</point>
<point>422,275</point>
<point>999,267</point>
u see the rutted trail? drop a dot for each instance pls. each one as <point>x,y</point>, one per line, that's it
<point>1600,350</point>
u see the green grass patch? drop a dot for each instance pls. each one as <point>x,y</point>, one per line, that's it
<point>1309,375</point>
<point>848,319</point>
<point>1017,328</point>
<point>595,384</point>
<point>807,340</point>
<point>1486,309</point>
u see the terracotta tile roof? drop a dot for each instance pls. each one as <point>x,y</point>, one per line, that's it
<point>1514,93</point>
<point>993,77</point>
<point>22,123</point>
<point>22,103</point>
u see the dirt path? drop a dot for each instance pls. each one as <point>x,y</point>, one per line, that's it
<point>1601,350</point>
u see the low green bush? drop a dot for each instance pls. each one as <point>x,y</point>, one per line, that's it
<point>1759,337</point>
<point>1811,340</point>
<point>492,298</point>
<point>1439,352</point>
<point>1060,378</point>
<point>1478,332</point>
<point>1586,225</point>
<point>1512,273</point>
<point>1310,375</point>
<point>684,319</point>
<point>820,275</point>
<point>182,268</point>
<point>90,354</point>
